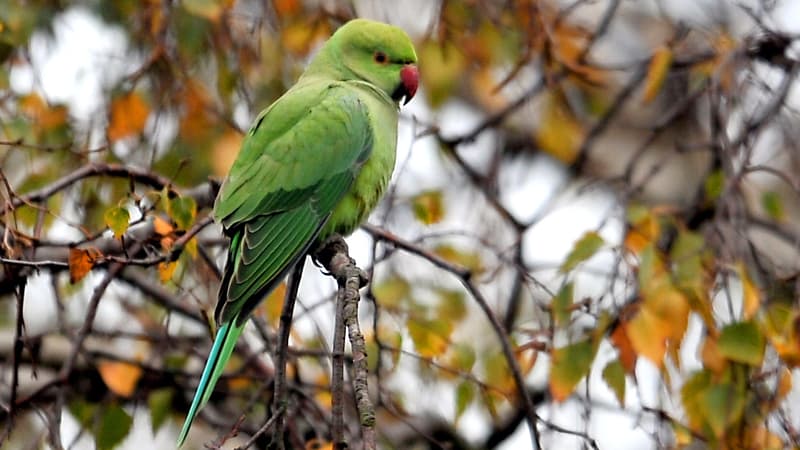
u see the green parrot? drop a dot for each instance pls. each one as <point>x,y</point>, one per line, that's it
<point>314,163</point>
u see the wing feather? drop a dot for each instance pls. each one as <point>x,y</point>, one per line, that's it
<point>284,186</point>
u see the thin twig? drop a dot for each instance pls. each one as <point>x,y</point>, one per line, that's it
<point>465,277</point>
<point>91,312</point>
<point>280,400</point>
<point>17,355</point>
<point>337,375</point>
<point>264,428</point>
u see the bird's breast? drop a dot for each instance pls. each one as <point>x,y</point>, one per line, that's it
<point>371,181</point>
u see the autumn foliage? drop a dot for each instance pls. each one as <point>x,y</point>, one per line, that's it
<point>594,219</point>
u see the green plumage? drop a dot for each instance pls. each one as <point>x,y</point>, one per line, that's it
<point>314,163</point>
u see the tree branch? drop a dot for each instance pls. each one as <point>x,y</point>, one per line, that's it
<point>334,256</point>
<point>280,400</point>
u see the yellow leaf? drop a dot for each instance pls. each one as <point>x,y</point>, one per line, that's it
<point>191,247</point>
<point>526,359</point>
<point>162,227</point>
<point>224,153</point>
<point>272,306</point>
<point>644,229</point>
<point>788,350</point>
<point>208,9</point>
<point>80,262</point>
<point>468,259</point>
<point>430,336</point>
<point>722,65</point>
<point>648,335</point>
<point>683,435</point>
<point>784,384</point>
<point>558,132</point>
<point>567,47</point>
<point>656,73</point>
<point>128,116</point>
<point>428,207</point>
<point>318,444</point>
<point>482,86</point>
<point>441,67</point>
<point>299,37</point>
<point>672,307</point>
<point>323,396</point>
<point>751,297</point>
<point>120,377</point>
<point>240,383</point>
<point>166,269</point>
<point>46,117</point>
<point>711,357</point>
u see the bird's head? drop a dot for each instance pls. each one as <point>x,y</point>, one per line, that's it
<point>380,54</point>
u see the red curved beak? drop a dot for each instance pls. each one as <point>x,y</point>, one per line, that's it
<point>409,77</point>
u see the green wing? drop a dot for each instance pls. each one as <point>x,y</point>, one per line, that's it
<point>297,162</point>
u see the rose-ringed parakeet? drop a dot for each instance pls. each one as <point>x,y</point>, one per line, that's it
<point>314,163</point>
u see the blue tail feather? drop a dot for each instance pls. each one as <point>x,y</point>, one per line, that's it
<point>221,351</point>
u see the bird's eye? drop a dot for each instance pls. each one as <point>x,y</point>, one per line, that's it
<point>381,58</point>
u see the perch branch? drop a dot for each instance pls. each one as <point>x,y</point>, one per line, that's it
<point>334,256</point>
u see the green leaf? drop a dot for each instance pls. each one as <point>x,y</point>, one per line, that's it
<point>431,337</point>
<point>562,304</point>
<point>451,305</point>
<point>114,425</point>
<point>160,404</point>
<point>117,219</point>
<point>772,204</point>
<point>651,270</point>
<point>373,353</point>
<point>614,376</point>
<point>570,365</point>
<point>722,405</point>
<point>465,393</point>
<point>208,9</point>
<point>688,257</point>
<point>584,249</point>
<point>714,184</point>
<point>687,245</point>
<point>182,210</point>
<point>742,342</point>
<point>441,67</point>
<point>691,395</point>
<point>470,260</point>
<point>496,371</point>
<point>83,412</point>
<point>428,207</point>
<point>463,357</point>
<point>390,292</point>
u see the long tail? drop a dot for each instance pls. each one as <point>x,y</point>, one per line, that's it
<point>220,353</point>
